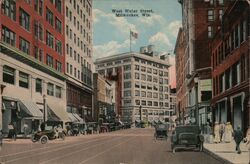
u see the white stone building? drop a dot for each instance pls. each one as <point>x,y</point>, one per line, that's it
<point>145,84</point>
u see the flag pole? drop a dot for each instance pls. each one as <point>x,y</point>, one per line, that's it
<point>130,40</point>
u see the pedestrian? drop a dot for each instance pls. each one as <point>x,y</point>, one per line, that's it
<point>207,132</point>
<point>222,131</point>
<point>238,137</point>
<point>1,139</point>
<point>247,140</point>
<point>11,130</point>
<point>25,130</point>
<point>217,132</point>
<point>14,131</point>
<point>228,133</point>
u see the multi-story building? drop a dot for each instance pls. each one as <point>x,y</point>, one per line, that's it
<point>32,63</point>
<point>181,69</point>
<point>104,99</point>
<point>173,103</point>
<point>78,62</point>
<point>145,89</point>
<point>201,19</point>
<point>231,67</point>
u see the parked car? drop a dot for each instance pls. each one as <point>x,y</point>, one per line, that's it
<point>187,136</point>
<point>161,131</point>
<point>49,133</point>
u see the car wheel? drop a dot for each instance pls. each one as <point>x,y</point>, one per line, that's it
<point>44,139</point>
<point>33,139</point>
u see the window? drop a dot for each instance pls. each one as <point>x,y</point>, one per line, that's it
<point>127,93</point>
<point>24,45</point>
<point>143,69</point>
<point>9,8</point>
<point>8,36</point>
<point>39,85</point>
<point>137,85</point>
<point>143,102</point>
<point>58,4</point>
<point>149,70</point>
<point>137,75</point>
<point>59,46</point>
<point>210,15</point>
<point>49,61</point>
<point>235,74</point>
<point>127,75</point>
<point>58,92</point>
<point>50,89</point>
<point>227,79</point>
<point>149,103</point>
<point>71,69</point>
<point>127,84</point>
<point>58,25</point>
<point>155,95</point>
<point>127,67</point>
<point>149,94</point>
<point>58,66</point>
<point>137,102</point>
<point>8,74</point>
<point>23,80</point>
<point>149,78</point>
<point>137,93</point>
<point>49,40</point>
<point>143,93</point>
<point>221,2</point>
<point>41,7</point>
<point>220,14</point>
<point>143,77</point>
<point>24,19</point>
<point>49,17</point>
<point>155,103</point>
<point>210,31</point>
<point>38,30</point>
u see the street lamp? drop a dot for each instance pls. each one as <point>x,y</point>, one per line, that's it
<point>196,79</point>
<point>44,109</point>
<point>140,113</point>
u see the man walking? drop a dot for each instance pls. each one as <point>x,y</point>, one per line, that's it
<point>238,137</point>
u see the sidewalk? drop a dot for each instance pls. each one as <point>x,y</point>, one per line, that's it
<point>226,152</point>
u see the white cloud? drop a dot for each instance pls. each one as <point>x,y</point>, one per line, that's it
<point>110,48</point>
<point>152,20</point>
<point>160,39</point>
<point>120,23</point>
<point>173,27</point>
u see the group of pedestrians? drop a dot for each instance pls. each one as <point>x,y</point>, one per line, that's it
<point>225,133</point>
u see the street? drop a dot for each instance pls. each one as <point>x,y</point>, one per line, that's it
<point>132,146</point>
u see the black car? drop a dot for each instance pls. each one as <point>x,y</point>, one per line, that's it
<point>187,136</point>
<point>161,131</point>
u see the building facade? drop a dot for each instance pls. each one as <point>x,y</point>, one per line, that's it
<point>32,63</point>
<point>230,62</point>
<point>145,84</point>
<point>201,19</point>
<point>78,62</point>
<point>104,99</point>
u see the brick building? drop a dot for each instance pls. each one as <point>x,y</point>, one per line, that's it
<point>230,62</point>
<point>32,63</point>
<point>201,19</point>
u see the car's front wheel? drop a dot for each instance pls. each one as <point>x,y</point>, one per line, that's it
<point>33,138</point>
<point>44,139</point>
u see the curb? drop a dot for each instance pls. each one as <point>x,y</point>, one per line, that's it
<point>219,158</point>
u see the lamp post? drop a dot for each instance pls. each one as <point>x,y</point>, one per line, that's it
<point>140,113</point>
<point>44,109</point>
<point>196,100</point>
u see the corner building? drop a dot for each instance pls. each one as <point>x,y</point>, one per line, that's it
<point>32,63</point>
<point>79,64</point>
<point>145,84</point>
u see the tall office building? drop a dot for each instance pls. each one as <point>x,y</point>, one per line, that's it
<point>145,84</point>
<point>32,63</point>
<point>78,63</point>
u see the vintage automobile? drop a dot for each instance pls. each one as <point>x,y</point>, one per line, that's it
<point>48,134</point>
<point>187,136</point>
<point>161,131</point>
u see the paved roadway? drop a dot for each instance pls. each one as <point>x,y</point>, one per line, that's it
<point>131,146</point>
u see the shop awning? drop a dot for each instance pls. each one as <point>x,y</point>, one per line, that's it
<point>59,110</point>
<point>72,117</point>
<point>80,120</point>
<point>31,108</point>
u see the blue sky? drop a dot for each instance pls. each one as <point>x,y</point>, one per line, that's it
<point>111,33</point>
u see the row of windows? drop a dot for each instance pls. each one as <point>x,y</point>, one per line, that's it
<point>9,76</point>
<point>146,94</point>
<point>151,103</point>
<point>9,9</point>
<point>233,76</point>
<point>127,85</point>
<point>150,70</point>
<point>150,78</point>
<point>84,3</point>
<point>231,42</point>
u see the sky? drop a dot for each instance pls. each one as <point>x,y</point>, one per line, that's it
<point>111,34</point>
